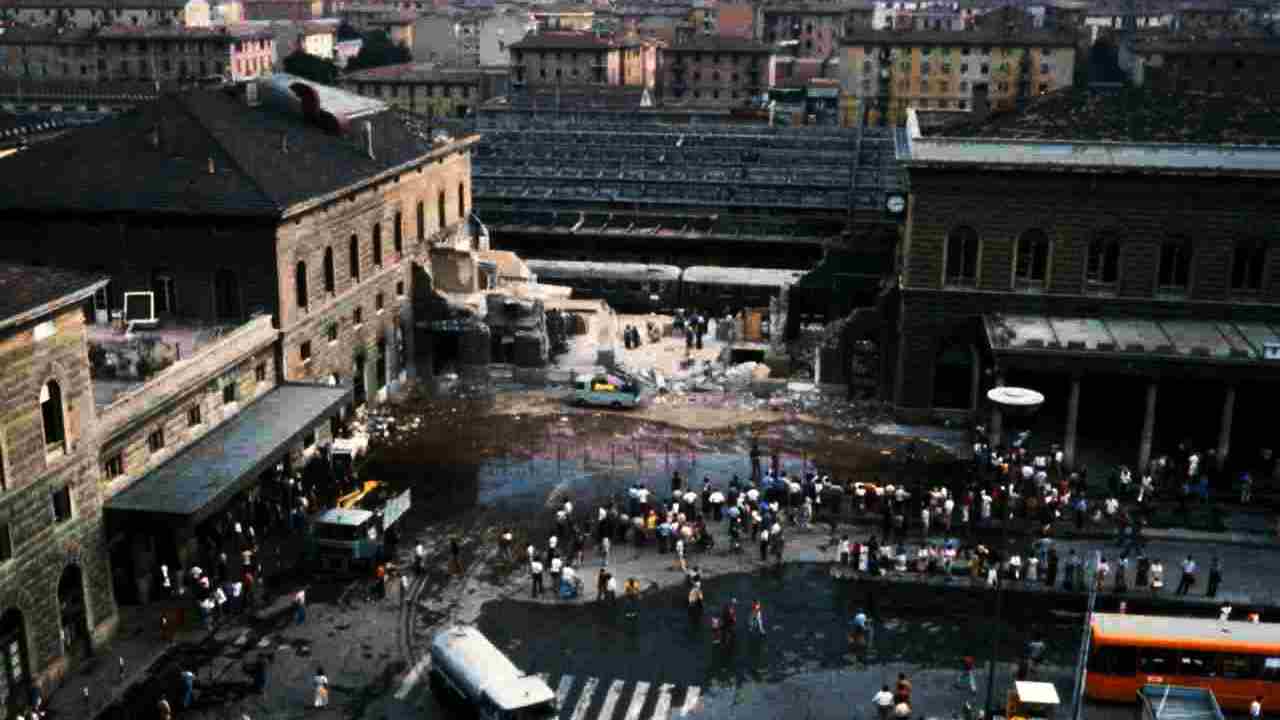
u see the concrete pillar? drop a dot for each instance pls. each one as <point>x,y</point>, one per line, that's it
<point>1073,414</point>
<point>1224,432</point>
<point>1148,428</point>
<point>975,379</point>
<point>997,419</point>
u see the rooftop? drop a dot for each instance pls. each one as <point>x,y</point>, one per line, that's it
<point>28,293</point>
<point>816,8</point>
<point>1133,115</point>
<point>1203,340</point>
<point>1202,44</point>
<point>1203,633</point>
<point>414,73</point>
<point>208,152</point>
<point>218,464</point>
<point>717,43</point>
<point>43,35</point>
<point>241,31</point>
<point>117,4</point>
<point>1037,37</point>
<point>562,41</point>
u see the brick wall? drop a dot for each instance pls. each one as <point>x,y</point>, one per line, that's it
<point>42,548</point>
<point>306,238</point>
<point>1213,213</point>
<point>163,403</point>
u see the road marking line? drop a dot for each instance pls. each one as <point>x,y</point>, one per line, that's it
<point>584,699</point>
<point>410,680</point>
<point>662,710</point>
<point>611,699</point>
<point>562,691</point>
<point>637,701</point>
<point>690,700</point>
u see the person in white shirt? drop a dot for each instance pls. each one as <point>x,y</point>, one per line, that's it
<point>556,566</point>
<point>1255,708</point>
<point>883,701</point>
<point>1188,576</point>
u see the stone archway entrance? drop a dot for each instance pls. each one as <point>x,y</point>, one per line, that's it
<point>73,613</point>
<point>14,673</point>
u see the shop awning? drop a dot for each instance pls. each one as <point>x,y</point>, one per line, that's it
<point>197,481</point>
<point>1122,340</point>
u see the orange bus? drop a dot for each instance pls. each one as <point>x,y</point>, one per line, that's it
<point>1238,661</point>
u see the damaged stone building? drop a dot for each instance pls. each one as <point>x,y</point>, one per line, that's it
<point>309,203</point>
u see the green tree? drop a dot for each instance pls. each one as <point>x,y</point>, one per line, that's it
<point>378,50</point>
<point>315,69</point>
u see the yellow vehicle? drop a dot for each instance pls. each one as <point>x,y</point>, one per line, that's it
<point>353,498</point>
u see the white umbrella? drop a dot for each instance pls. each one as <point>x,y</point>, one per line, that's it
<point>690,498</point>
<point>717,497</point>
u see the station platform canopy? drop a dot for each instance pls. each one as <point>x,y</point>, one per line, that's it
<point>197,481</point>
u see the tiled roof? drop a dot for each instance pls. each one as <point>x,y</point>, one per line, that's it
<point>1133,115</point>
<point>24,290</point>
<point>562,41</point>
<point>413,73</point>
<point>100,89</point>
<point>43,35</point>
<point>265,159</point>
<point>718,43</point>
<point>242,31</point>
<point>996,37</point>
<point>105,4</point>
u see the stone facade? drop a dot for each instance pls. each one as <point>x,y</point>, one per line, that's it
<point>714,71</point>
<point>1226,222</point>
<point>56,575</point>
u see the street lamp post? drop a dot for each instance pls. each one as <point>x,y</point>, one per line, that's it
<point>1009,401</point>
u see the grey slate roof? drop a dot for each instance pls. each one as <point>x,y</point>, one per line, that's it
<point>26,291</point>
<point>113,166</point>
<point>232,455</point>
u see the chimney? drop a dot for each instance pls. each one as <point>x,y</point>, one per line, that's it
<point>210,164</point>
<point>368,138</point>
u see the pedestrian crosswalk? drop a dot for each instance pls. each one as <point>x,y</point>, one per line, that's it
<point>596,699</point>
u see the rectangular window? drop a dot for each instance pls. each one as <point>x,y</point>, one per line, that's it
<point>260,372</point>
<point>6,543</point>
<point>400,288</point>
<point>229,393</point>
<point>332,332</point>
<point>193,416</point>
<point>1158,661</point>
<point>304,351</point>
<point>309,440</point>
<point>378,302</point>
<point>357,316</point>
<point>113,466</point>
<point>155,441</point>
<point>1240,666</point>
<point>60,502</point>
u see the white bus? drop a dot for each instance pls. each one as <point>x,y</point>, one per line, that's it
<point>467,666</point>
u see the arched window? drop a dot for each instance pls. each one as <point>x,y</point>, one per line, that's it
<point>1175,264</point>
<point>330,278</point>
<point>377,244</point>
<point>1248,265</point>
<point>353,257</point>
<point>300,283</point>
<point>962,257</point>
<point>462,201</point>
<point>1102,268</point>
<point>440,208</point>
<point>422,222</point>
<point>397,233</point>
<point>1032,268</point>
<point>55,430</point>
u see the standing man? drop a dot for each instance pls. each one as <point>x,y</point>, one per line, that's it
<point>535,574</point>
<point>419,558</point>
<point>1215,576</point>
<point>188,688</point>
<point>883,701</point>
<point>1188,576</point>
<point>755,461</point>
<point>1255,708</point>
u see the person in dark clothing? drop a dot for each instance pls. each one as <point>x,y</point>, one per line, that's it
<point>1051,568</point>
<point>1215,576</point>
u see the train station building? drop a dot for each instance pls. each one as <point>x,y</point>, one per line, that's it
<point>1137,285</point>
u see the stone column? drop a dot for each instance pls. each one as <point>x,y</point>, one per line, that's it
<point>1148,428</point>
<point>975,379</point>
<point>1224,432</point>
<point>1073,414</point>
<point>997,419</point>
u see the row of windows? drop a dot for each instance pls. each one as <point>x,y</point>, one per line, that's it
<point>113,466</point>
<point>302,294</point>
<point>1032,261</point>
<point>1123,661</point>
<point>871,50</point>
<point>357,319</point>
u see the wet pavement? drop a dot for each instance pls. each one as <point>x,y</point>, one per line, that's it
<point>474,472</point>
